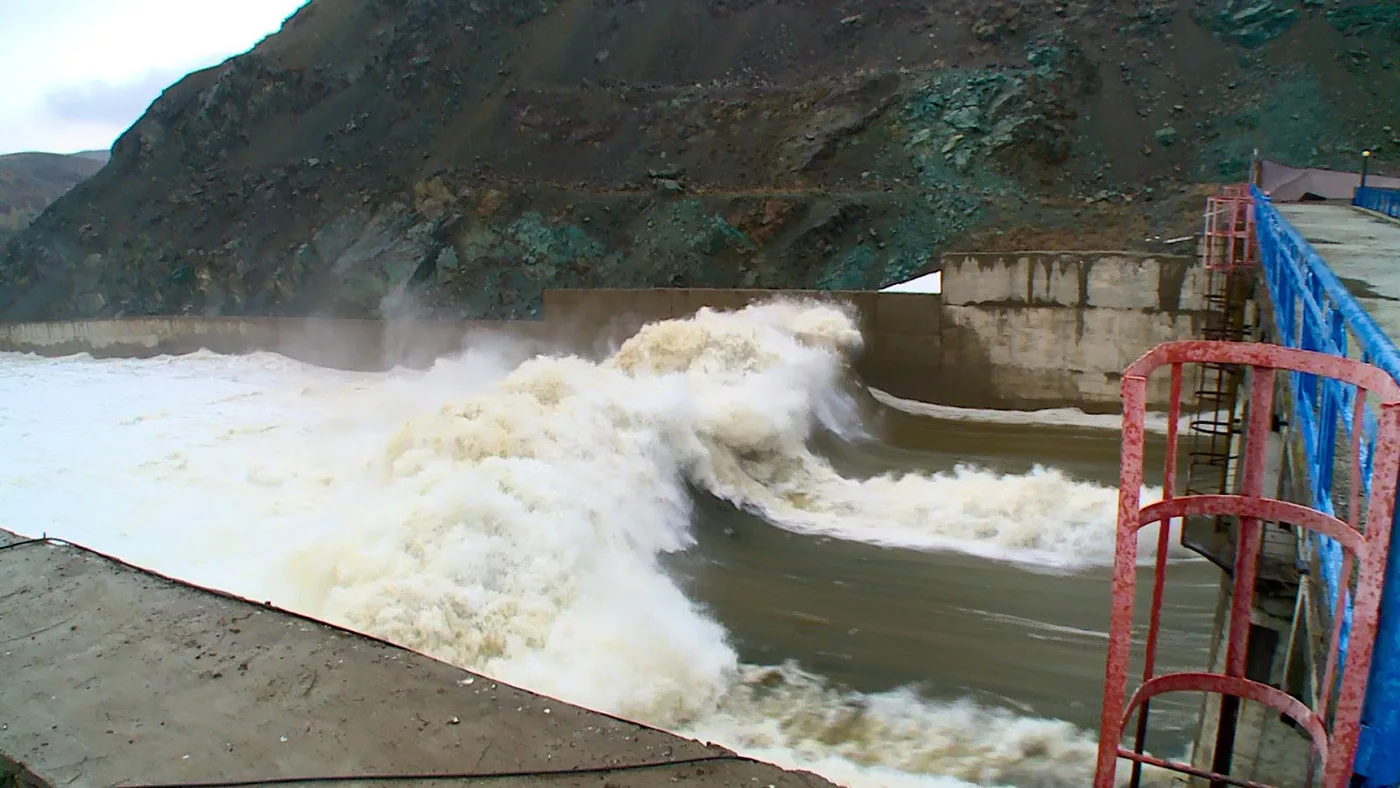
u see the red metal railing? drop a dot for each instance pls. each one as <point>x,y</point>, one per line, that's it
<point>1230,263</point>
<point>1334,745</point>
<point>1229,231</point>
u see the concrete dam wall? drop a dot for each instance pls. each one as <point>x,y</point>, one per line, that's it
<point>1010,330</point>
<point>1018,330</point>
<point>1054,327</point>
<point>332,342</point>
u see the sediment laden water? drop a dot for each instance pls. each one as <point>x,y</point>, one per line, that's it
<point>510,515</point>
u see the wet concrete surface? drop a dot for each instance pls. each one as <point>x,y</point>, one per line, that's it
<point>1363,249</point>
<point>117,676</point>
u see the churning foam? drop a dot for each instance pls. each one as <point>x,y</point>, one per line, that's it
<point>511,519</point>
<point>1045,417</point>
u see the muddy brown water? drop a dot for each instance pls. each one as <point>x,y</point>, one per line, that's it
<point>953,625</point>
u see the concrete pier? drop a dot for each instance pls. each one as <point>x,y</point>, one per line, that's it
<point>117,676</point>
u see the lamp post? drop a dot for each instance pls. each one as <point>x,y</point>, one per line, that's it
<point>1365,165</point>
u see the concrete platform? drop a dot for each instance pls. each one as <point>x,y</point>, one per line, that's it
<point>117,676</point>
<point>1362,248</point>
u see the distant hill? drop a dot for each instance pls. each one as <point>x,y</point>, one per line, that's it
<point>95,155</point>
<point>30,182</point>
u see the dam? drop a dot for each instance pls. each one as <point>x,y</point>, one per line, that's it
<point>867,537</point>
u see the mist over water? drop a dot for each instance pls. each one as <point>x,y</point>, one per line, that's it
<point>512,516</point>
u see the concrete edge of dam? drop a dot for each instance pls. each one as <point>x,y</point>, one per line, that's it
<point>1010,331</point>
<point>342,343</point>
<point>115,675</point>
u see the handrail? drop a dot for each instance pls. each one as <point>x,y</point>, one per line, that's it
<point>1313,310</point>
<point>1382,201</point>
<point>1385,355</point>
<point>1346,676</point>
<point>1195,351</point>
<point>1298,278</point>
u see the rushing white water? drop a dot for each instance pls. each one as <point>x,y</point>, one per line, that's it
<point>1047,417</point>
<point>509,517</point>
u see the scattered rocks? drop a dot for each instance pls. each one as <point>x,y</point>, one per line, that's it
<point>669,186</point>
<point>1368,18</point>
<point>996,22</point>
<point>423,155</point>
<point>1250,23</point>
<point>968,118</point>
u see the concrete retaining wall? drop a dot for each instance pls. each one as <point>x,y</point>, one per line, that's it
<point>1021,330</point>
<point>1035,328</point>
<point>902,330</point>
<point>343,344</point>
<point>1087,280</point>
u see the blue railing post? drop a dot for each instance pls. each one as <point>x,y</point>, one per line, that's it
<point>1382,201</point>
<point>1313,310</point>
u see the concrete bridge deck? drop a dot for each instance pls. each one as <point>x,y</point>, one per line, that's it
<point>1361,248</point>
<point>116,676</point>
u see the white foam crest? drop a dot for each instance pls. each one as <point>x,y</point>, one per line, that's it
<point>515,524</point>
<point>1042,517</point>
<point>895,739</point>
<point>518,532</point>
<point>760,380</point>
<point>1155,422</point>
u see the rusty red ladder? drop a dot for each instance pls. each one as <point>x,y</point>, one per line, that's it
<point>1334,745</point>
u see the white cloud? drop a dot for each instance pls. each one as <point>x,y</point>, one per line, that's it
<point>79,72</point>
<point>102,102</point>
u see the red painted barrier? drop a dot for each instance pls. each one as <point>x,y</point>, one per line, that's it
<point>1334,735</point>
<point>1229,230</point>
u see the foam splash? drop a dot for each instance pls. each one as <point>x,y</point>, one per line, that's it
<point>763,379</point>
<point>1045,417</point>
<point>1154,422</point>
<point>894,739</point>
<point>515,526</point>
<point>519,532</point>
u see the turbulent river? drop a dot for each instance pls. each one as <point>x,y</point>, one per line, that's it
<point>713,529</point>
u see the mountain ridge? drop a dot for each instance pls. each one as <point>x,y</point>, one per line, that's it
<point>31,181</point>
<point>458,157</point>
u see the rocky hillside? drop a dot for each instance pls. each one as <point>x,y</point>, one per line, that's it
<point>29,182</point>
<point>462,155</point>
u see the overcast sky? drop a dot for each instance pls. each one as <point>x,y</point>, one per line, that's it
<point>75,74</point>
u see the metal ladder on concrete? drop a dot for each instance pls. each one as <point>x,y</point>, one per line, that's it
<point>1333,724</point>
<point>1231,271</point>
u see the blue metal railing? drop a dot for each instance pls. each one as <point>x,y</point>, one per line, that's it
<point>1314,311</point>
<point>1386,201</point>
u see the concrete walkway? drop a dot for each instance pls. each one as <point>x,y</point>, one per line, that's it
<point>114,676</point>
<point>1361,248</point>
